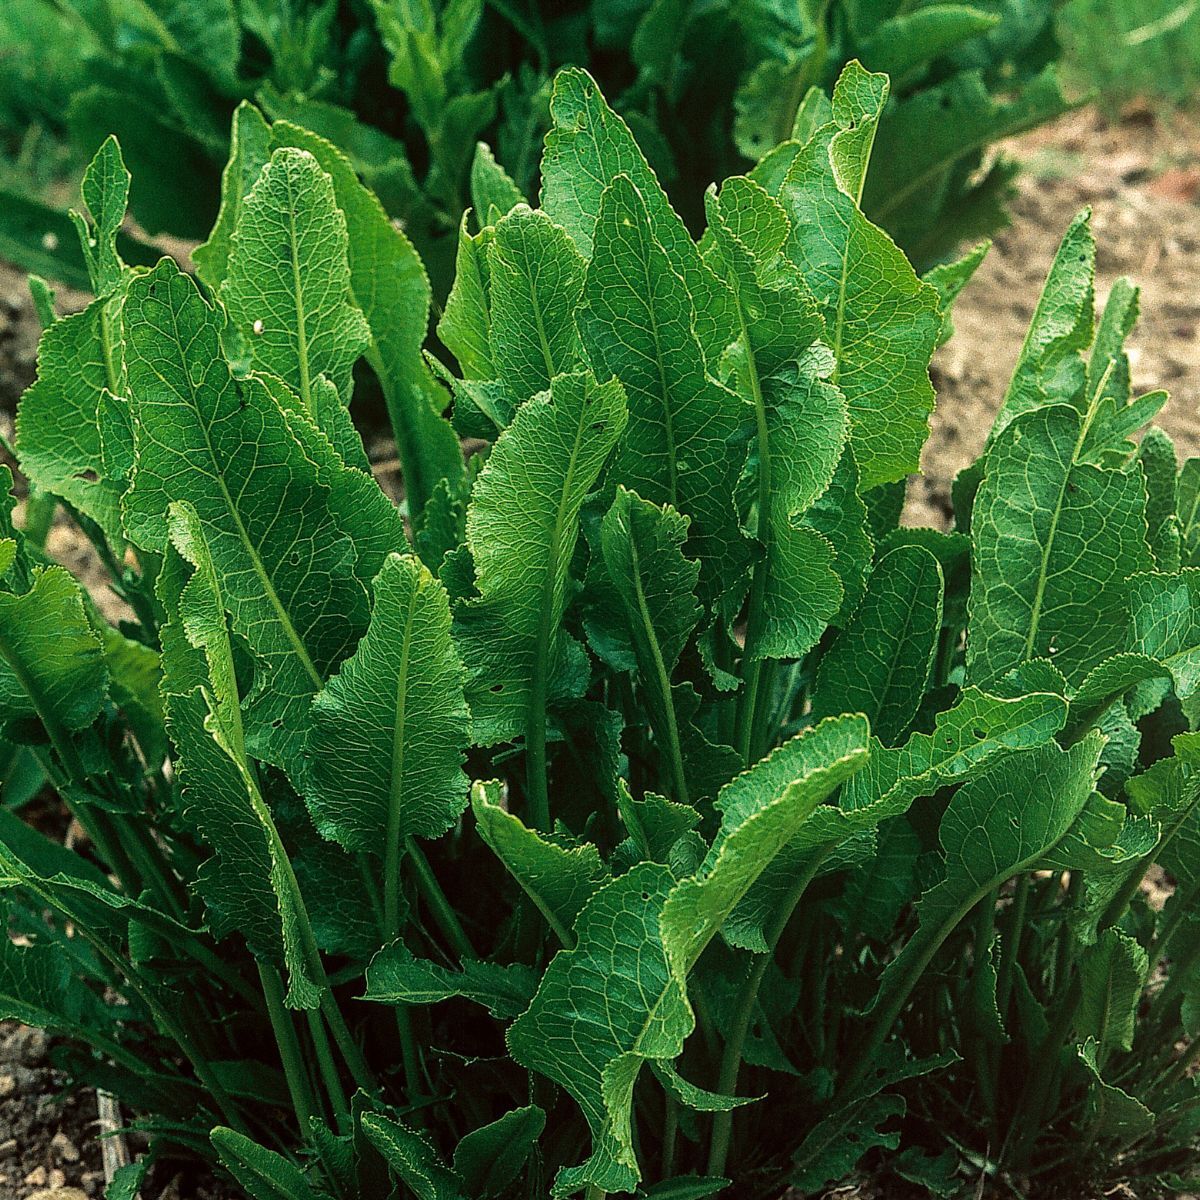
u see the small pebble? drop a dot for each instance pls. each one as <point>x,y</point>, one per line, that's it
<point>8,1085</point>
<point>58,1193</point>
<point>64,1149</point>
<point>37,1177</point>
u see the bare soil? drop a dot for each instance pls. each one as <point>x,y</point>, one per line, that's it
<point>1141,177</point>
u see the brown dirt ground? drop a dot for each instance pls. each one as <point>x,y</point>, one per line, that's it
<point>1140,174</point>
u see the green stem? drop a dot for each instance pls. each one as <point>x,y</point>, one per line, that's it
<point>1031,1108</point>
<point>1011,948</point>
<point>439,905</point>
<point>329,1071</point>
<point>289,1047</point>
<point>662,679</point>
<point>985,930</point>
<point>670,1136</point>
<point>731,1062</point>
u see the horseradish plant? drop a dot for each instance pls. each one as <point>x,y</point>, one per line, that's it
<point>644,808</point>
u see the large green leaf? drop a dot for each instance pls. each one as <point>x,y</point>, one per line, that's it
<point>52,664</point>
<point>646,609</point>
<point>248,887</point>
<point>1112,974</point>
<point>1166,626</point>
<point>396,976</point>
<point>587,148</point>
<point>249,150</point>
<point>882,321</point>
<point>639,323</point>
<point>535,278</point>
<point>880,664</point>
<point>1055,540</point>
<point>389,729</point>
<point>295,586</point>
<point>616,999</point>
<point>287,290</point>
<point>58,426</point>
<point>388,283</point>
<point>265,1174</point>
<point>997,825</point>
<point>558,879</point>
<point>800,420</point>
<point>1049,368</point>
<point>522,527</point>
<point>105,189</point>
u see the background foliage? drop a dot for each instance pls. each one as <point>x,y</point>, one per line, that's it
<point>645,808</point>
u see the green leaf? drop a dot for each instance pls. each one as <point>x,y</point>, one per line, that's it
<point>698,1099</point>
<point>647,608</point>
<point>389,729</point>
<point>998,824</point>
<point>1166,626</point>
<point>287,290</point>
<point>295,590</point>
<point>965,738</point>
<point>248,887</point>
<point>535,277</point>
<point>58,422</point>
<point>908,42</point>
<point>1049,369</point>
<point>1187,505</point>
<point>781,376</point>
<point>833,1147</point>
<point>685,1187</point>
<point>490,1158</point>
<point>1157,456</point>
<point>559,880</point>
<point>106,193</point>
<point>38,987</point>
<point>465,328</point>
<point>1055,540</point>
<point>388,283</point>
<point>773,822</point>
<point>413,1159</point>
<point>612,1003</point>
<point>396,976</point>
<point>603,1008</point>
<point>639,324</point>
<point>949,279</point>
<point>655,823</point>
<point>249,150</point>
<point>264,1174</point>
<point>880,665</point>
<point>491,186</point>
<point>1112,974</point>
<point>52,664</point>
<point>587,148</point>
<point>522,526</point>
<point>931,138</point>
<point>882,321</point>
<point>1114,1114</point>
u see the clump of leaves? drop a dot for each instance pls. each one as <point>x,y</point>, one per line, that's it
<point>407,89</point>
<point>653,813</point>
